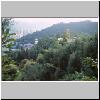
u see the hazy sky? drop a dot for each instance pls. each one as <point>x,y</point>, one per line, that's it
<point>28,25</point>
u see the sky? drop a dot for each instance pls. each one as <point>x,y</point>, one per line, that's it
<point>28,25</point>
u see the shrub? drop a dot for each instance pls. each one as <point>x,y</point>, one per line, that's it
<point>9,72</point>
<point>26,61</point>
<point>78,77</point>
<point>87,78</point>
<point>71,77</point>
<point>35,72</point>
<point>90,67</point>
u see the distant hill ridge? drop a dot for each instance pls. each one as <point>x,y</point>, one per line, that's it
<point>83,27</point>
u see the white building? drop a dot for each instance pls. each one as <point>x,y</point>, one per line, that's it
<point>36,41</point>
<point>60,39</point>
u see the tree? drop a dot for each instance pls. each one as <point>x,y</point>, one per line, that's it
<point>9,69</point>
<point>40,58</point>
<point>7,40</point>
<point>74,63</point>
<point>30,71</point>
<point>92,49</point>
<point>48,73</point>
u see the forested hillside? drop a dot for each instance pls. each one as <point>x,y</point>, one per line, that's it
<point>67,56</point>
<point>82,28</point>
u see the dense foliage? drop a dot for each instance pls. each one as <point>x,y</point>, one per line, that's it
<point>53,60</point>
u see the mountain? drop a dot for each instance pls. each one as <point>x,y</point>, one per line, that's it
<point>84,27</point>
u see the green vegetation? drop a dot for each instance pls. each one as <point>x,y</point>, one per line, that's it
<point>51,59</point>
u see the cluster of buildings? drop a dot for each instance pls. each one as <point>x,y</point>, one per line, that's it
<point>29,45</point>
